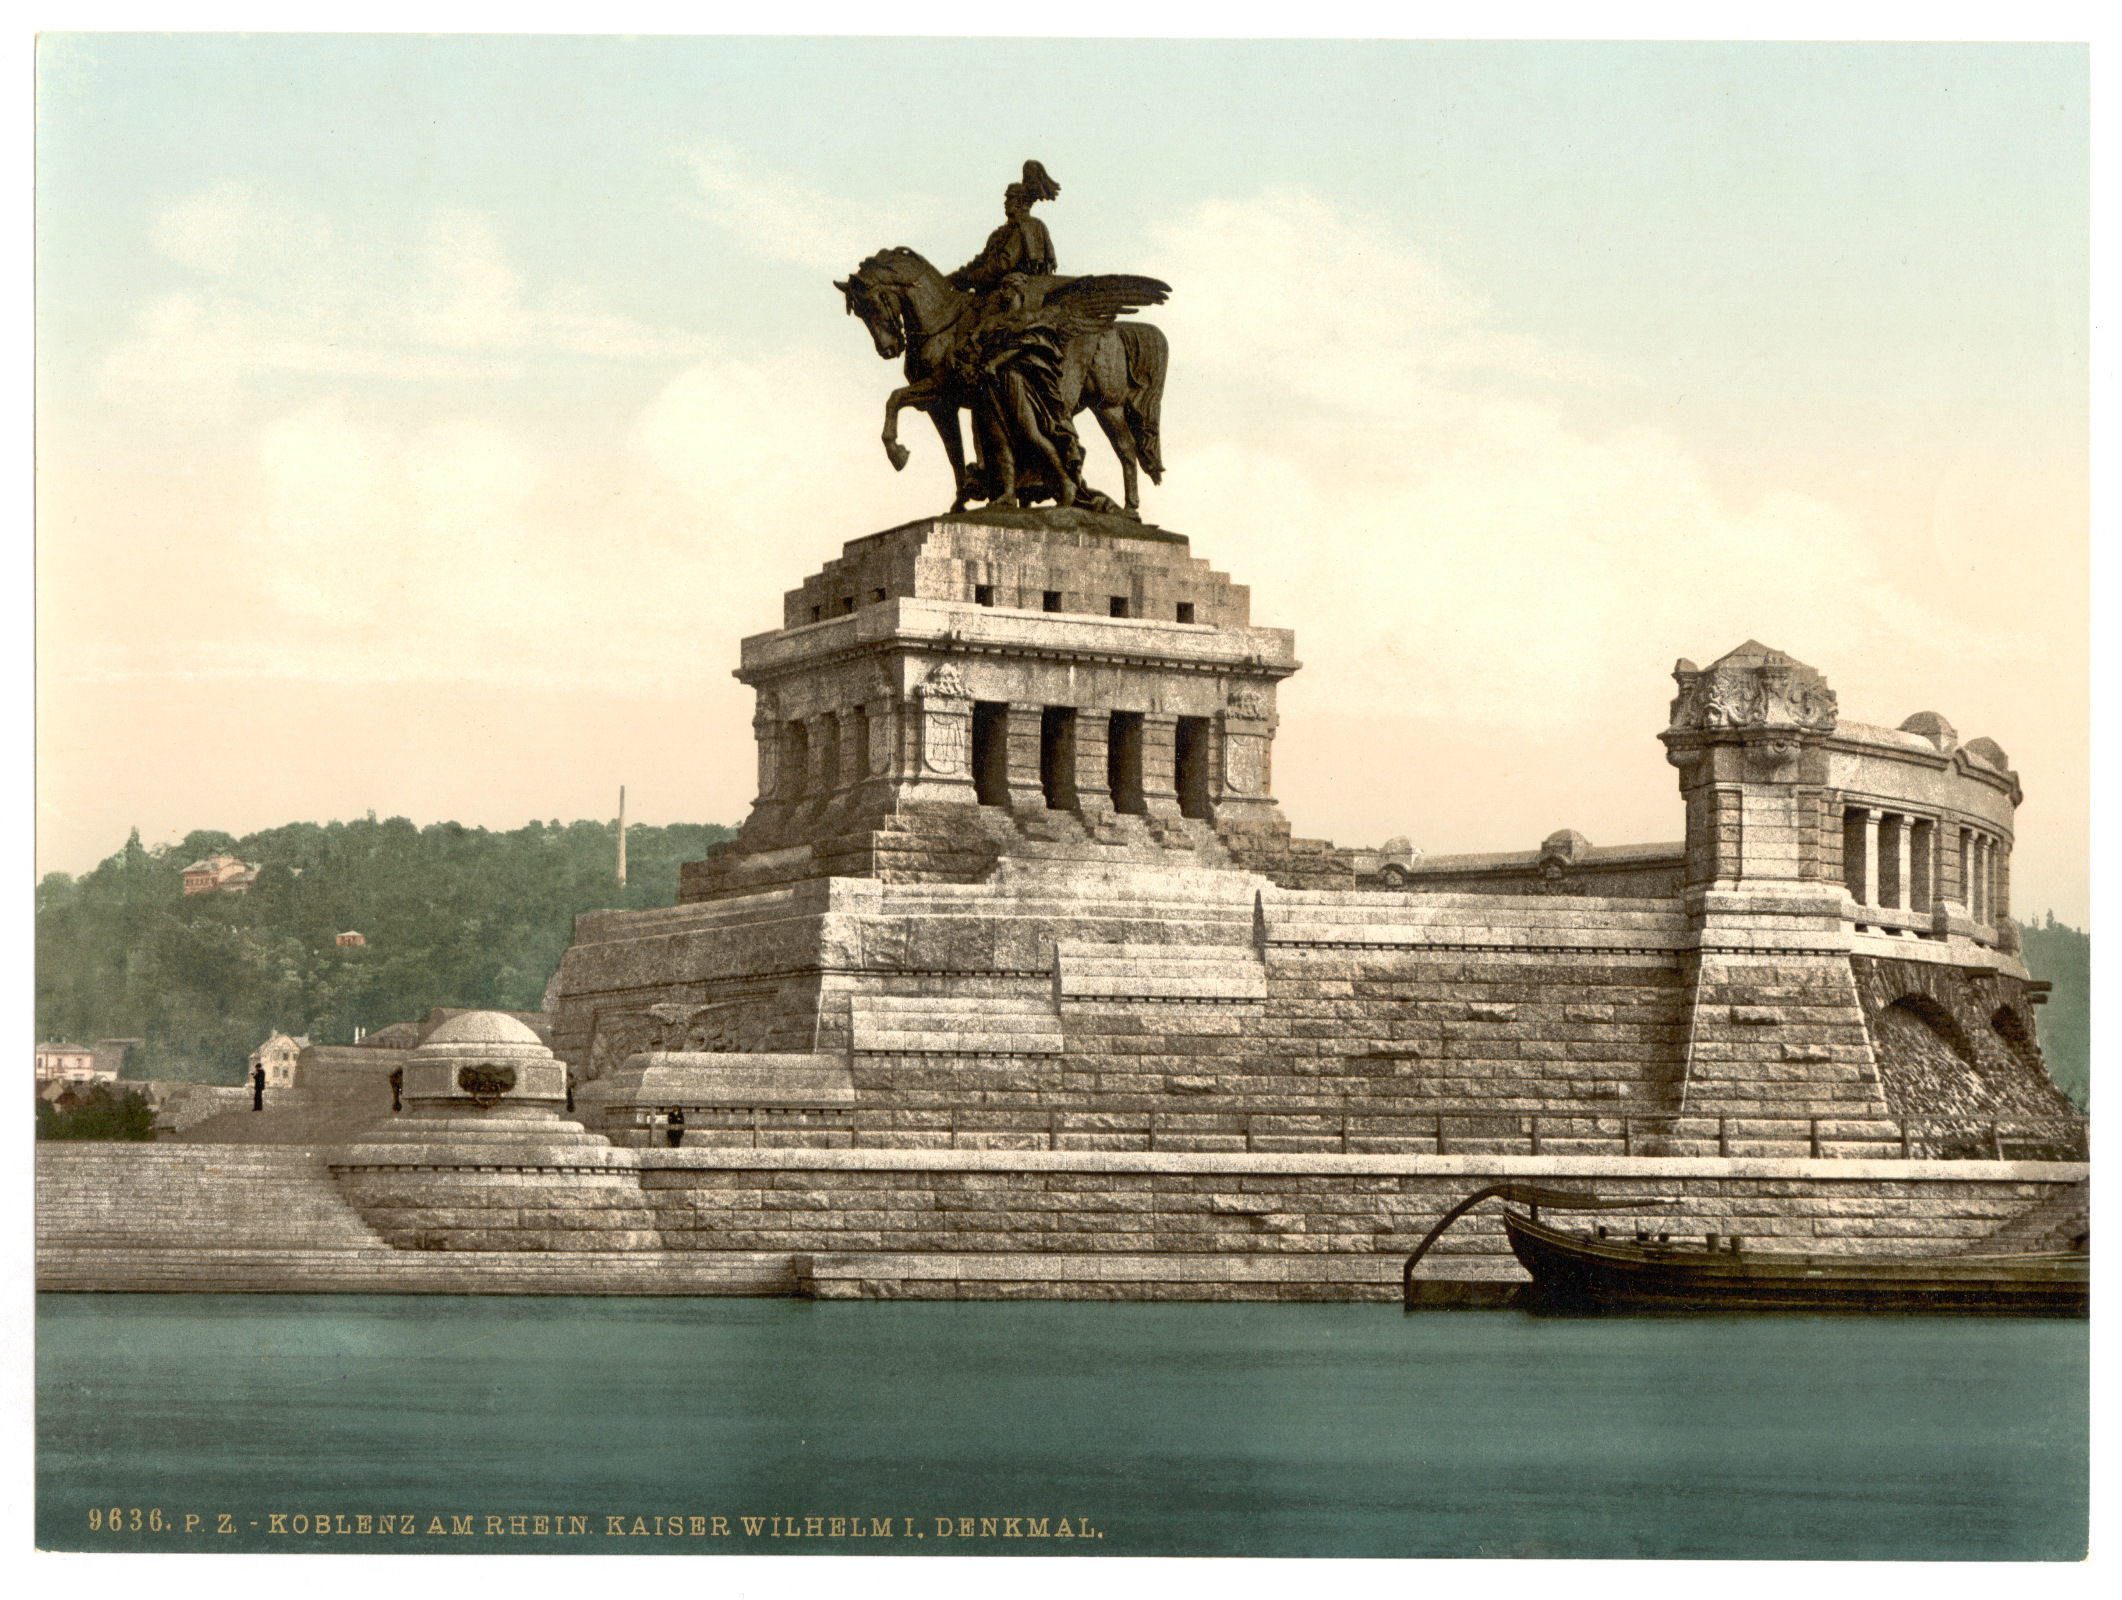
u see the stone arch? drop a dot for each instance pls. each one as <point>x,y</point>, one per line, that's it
<point>2012,1026</point>
<point>1940,1022</point>
<point>1926,1064</point>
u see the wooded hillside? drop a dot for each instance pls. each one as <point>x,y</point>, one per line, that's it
<point>453,916</point>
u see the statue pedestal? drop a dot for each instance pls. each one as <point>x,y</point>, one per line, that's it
<point>941,690</point>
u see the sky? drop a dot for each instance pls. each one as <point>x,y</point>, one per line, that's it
<point>422,421</point>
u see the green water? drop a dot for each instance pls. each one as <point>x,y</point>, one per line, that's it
<point>1144,1429</point>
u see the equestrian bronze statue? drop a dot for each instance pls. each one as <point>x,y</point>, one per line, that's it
<point>1023,349</point>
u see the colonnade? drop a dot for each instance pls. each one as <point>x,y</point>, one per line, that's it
<point>1016,754</point>
<point>1907,862</point>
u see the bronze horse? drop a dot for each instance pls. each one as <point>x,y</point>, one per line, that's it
<point>1113,369</point>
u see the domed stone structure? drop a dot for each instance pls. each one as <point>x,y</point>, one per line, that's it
<point>484,1078</point>
<point>481,1060</point>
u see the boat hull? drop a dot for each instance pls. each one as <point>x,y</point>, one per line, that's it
<point>1576,1272</point>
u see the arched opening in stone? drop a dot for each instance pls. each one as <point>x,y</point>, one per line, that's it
<point>795,767</point>
<point>1190,766</point>
<point>991,752</point>
<point>1925,1062</point>
<point>1123,763</point>
<point>2012,1028</point>
<point>1057,757</point>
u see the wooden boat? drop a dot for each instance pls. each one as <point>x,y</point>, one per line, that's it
<point>1594,1272</point>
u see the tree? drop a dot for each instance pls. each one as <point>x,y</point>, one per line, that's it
<point>100,1115</point>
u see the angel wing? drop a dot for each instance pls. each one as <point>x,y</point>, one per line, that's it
<point>1093,304</point>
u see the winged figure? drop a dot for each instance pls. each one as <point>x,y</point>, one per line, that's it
<point>1023,349</point>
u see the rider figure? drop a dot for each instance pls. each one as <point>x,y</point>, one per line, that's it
<point>1021,247</point>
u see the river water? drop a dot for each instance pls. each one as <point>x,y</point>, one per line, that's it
<point>226,1423</point>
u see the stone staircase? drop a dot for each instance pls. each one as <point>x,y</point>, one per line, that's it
<point>169,1195</point>
<point>2063,1222</point>
<point>1180,974</point>
<point>1110,837</point>
<point>1506,924</point>
<point>1017,1025</point>
<point>329,1114</point>
<point>153,1218</point>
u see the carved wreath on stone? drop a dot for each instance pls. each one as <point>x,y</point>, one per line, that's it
<point>1248,702</point>
<point>486,1084</point>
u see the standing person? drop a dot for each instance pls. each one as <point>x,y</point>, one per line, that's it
<point>258,1087</point>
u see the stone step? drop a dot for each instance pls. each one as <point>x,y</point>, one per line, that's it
<point>2059,1223</point>
<point>1225,973</point>
<point>163,1195</point>
<point>948,1025</point>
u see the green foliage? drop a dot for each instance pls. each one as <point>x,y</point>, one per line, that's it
<point>101,1115</point>
<point>2064,956</point>
<point>454,916</point>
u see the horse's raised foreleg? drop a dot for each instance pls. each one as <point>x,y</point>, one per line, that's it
<point>921,396</point>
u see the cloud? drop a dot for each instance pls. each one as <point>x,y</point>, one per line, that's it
<point>1286,291</point>
<point>1458,550</point>
<point>784,219</point>
<point>277,288</point>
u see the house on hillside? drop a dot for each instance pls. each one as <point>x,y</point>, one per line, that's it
<point>219,874</point>
<point>350,940</point>
<point>278,1055</point>
<point>69,1063</point>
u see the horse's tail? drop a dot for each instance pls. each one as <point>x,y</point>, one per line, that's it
<point>1147,357</point>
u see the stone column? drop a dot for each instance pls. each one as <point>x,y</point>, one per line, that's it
<point>1978,870</point>
<point>1922,864</point>
<point>2000,892</point>
<point>1020,733</point>
<point>1160,758</point>
<point>770,734</point>
<point>1094,794</point>
<point>1868,874</point>
<point>1902,900</point>
<point>854,756</point>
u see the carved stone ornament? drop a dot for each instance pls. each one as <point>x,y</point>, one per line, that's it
<point>486,1084</point>
<point>769,734</point>
<point>1772,755</point>
<point>1753,687</point>
<point>1243,759</point>
<point>946,683</point>
<point>1246,701</point>
<point>946,722</point>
